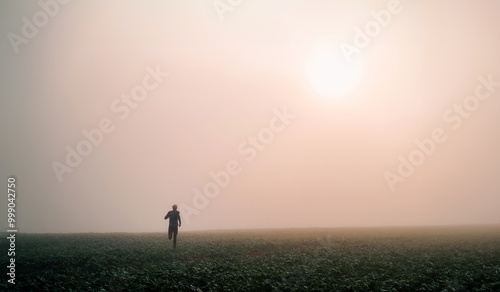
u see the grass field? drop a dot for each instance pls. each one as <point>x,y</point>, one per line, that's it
<point>374,259</point>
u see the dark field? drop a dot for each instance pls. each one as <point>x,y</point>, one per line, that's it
<point>375,259</point>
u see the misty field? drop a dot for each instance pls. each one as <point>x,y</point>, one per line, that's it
<point>375,259</point>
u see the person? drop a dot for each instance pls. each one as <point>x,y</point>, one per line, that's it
<point>175,217</point>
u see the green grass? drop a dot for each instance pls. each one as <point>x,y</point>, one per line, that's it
<point>375,259</point>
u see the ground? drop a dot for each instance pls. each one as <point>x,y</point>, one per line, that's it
<point>340,259</point>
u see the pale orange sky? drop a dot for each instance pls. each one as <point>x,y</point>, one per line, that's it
<point>226,80</point>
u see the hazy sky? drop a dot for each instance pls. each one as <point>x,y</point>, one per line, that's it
<point>311,109</point>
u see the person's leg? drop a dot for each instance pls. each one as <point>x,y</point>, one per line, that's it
<point>170,232</point>
<point>175,236</point>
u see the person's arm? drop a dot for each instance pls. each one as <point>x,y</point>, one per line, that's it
<point>179,219</point>
<point>167,216</point>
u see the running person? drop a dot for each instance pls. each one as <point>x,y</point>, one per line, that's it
<point>174,216</point>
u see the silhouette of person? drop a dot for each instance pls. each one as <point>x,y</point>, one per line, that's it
<point>174,216</point>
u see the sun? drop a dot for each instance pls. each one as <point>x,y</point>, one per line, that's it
<point>329,72</point>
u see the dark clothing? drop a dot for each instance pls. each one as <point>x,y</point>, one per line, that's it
<point>174,216</point>
<point>172,230</point>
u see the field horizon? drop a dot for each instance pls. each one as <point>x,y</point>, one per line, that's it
<point>452,258</point>
<point>437,226</point>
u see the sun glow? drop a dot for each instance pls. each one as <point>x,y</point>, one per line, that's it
<point>330,73</point>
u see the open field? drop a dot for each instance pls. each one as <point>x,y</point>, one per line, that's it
<point>360,259</point>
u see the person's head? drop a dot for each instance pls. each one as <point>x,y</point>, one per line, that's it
<point>174,207</point>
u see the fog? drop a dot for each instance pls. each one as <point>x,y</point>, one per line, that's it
<point>113,111</point>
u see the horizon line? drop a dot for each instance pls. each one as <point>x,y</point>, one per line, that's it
<point>276,228</point>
